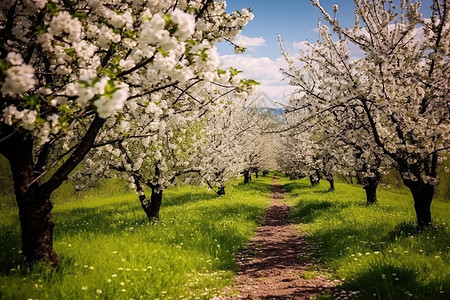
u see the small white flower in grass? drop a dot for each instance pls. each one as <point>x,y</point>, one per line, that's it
<point>98,291</point>
<point>85,266</point>
<point>122,283</point>
<point>437,257</point>
<point>376,252</point>
<point>120,269</point>
<point>123,290</point>
<point>394,274</point>
<point>108,280</point>
<point>84,288</point>
<point>91,268</point>
<point>114,275</point>
<point>383,276</point>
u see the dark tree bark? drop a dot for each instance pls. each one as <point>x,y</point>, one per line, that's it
<point>371,191</point>
<point>423,195</point>
<point>221,191</point>
<point>151,207</point>
<point>331,181</point>
<point>265,172</point>
<point>32,197</point>
<point>34,207</point>
<point>247,176</point>
<point>314,180</point>
<point>256,174</point>
<point>155,205</point>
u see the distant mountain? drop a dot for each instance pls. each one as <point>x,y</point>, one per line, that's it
<point>276,111</point>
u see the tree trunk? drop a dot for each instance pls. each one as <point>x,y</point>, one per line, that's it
<point>371,190</point>
<point>34,207</point>
<point>331,181</point>
<point>423,195</point>
<point>152,207</point>
<point>314,181</point>
<point>32,196</point>
<point>37,229</point>
<point>155,205</point>
<point>221,191</point>
<point>256,174</point>
<point>247,176</point>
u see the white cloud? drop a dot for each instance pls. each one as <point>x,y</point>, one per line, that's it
<point>264,70</point>
<point>251,43</point>
<point>301,46</point>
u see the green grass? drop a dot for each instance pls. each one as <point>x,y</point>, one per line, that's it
<point>377,251</point>
<point>110,251</point>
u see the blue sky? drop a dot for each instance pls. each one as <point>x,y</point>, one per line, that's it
<point>295,21</point>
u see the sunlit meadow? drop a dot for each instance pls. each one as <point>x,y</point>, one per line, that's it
<point>110,251</point>
<point>376,252</point>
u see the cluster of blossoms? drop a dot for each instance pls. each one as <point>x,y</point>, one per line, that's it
<point>391,106</point>
<point>76,76</point>
<point>19,77</point>
<point>88,55</point>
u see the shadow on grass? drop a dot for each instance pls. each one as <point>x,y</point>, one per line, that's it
<point>338,242</point>
<point>254,185</point>
<point>296,185</point>
<point>307,213</point>
<point>385,282</point>
<point>211,222</point>
<point>10,245</point>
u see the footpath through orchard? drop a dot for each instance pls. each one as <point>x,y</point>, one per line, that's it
<point>272,264</point>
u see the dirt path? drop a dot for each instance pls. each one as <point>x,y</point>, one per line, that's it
<point>272,265</point>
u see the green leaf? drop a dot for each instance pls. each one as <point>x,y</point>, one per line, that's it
<point>249,82</point>
<point>70,52</point>
<point>167,19</point>
<point>52,8</point>
<point>234,72</point>
<point>32,101</point>
<point>40,29</point>
<point>163,53</point>
<point>80,15</point>
<point>110,89</point>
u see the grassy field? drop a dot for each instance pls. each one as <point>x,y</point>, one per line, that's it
<point>376,251</point>
<point>110,251</point>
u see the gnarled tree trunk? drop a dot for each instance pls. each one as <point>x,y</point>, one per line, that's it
<point>155,204</point>
<point>331,181</point>
<point>370,187</point>
<point>221,191</point>
<point>247,176</point>
<point>314,180</point>
<point>34,206</point>
<point>423,195</point>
